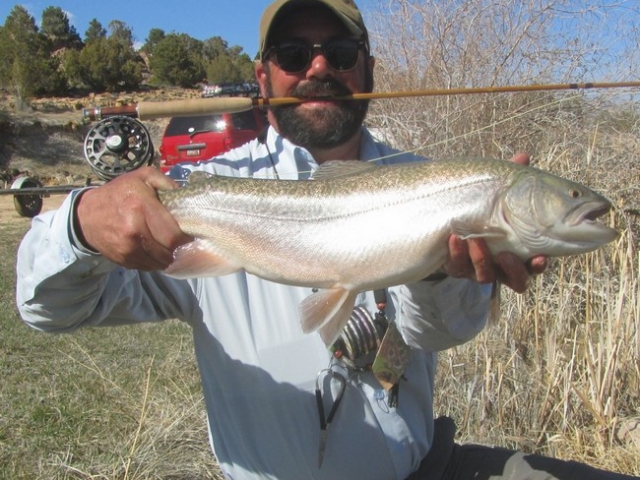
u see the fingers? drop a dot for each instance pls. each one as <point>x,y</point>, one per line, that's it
<point>126,223</point>
<point>537,265</point>
<point>522,158</point>
<point>157,180</point>
<point>472,259</point>
<point>512,272</point>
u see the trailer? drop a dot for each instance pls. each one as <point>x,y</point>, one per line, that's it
<point>115,145</point>
<point>29,194</point>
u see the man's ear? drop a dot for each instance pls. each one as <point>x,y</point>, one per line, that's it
<point>371,63</point>
<point>261,77</point>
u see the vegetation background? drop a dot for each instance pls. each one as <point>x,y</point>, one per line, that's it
<point>558,374</point>
<point>52,60</point>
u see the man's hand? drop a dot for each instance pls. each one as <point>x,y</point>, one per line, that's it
<point>472,259</point>
<point>126,223</point>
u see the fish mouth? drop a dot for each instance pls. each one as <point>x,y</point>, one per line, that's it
<point>588,212</point>
<point>585,223</point>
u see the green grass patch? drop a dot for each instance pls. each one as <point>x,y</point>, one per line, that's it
<point>103,403</point>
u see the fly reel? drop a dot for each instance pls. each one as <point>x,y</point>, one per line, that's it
<point>118,145</point>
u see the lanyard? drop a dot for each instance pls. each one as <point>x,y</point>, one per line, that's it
<point>325,420</point>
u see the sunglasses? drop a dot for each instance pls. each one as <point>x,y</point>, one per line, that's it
<point>294,56</point>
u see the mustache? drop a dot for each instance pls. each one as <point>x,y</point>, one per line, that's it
<point>321,88</point>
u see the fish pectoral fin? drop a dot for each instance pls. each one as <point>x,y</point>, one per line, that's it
<point>327,311</point>
<point>466,233</point>
<point>199,259</point>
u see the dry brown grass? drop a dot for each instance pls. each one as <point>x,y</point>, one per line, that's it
<point>559,374</point>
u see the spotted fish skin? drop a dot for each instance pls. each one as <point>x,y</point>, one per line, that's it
<point>358,226</point>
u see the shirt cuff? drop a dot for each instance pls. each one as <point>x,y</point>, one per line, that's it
<point>74,237</point>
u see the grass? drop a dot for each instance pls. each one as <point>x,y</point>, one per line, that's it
<point>118,403</point>
<point>557,374</point>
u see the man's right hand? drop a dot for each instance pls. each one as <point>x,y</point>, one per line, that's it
<point>125,222</point>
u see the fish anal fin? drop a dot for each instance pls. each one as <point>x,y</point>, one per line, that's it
<point>327,311</point>
<point>199,259</point>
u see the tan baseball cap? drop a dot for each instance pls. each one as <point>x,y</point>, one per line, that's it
<point>345,10</point>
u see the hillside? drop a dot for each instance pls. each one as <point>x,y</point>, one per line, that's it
<point>46,138</point>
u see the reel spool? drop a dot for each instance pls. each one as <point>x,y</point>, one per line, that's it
<point>118,145</point>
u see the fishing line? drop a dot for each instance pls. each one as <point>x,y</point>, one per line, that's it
<point>478,130</point>
<point>458,137</point>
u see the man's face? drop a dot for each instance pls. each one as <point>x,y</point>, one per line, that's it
<point>320,123</point>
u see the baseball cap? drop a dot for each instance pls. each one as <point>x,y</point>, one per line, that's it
<point>346,11</point>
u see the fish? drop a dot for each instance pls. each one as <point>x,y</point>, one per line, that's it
<point>359,226</point>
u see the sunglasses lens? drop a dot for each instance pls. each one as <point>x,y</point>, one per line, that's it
<point>294,57</point>
<point>342,54</point>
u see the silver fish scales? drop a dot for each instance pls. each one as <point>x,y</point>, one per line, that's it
<point>317,233</point>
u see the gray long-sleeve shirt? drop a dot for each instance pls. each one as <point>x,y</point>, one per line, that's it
<point>258,369</point>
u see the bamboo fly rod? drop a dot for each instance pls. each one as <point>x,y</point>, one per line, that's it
<point>204,106</point>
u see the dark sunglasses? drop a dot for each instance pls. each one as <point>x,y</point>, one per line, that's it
<point>294,56</point>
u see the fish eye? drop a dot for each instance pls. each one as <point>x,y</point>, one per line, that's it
<point>575,193</point>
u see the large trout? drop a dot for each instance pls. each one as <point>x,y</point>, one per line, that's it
<point>359,226</point>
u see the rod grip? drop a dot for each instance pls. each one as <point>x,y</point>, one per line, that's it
<point>186,108</point>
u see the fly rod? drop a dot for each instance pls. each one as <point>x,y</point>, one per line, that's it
<point>204,106</point>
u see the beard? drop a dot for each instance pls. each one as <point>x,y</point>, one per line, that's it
<point>321,127</point>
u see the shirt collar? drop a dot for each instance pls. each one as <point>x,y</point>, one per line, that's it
<point>303,161</point>
<point>292,161</point>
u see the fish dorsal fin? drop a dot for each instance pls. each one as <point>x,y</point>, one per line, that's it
<point>342,168</point>
<point>198,176</point>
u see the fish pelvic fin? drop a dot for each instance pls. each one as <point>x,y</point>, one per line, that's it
<point>199,258</point>
<point>495,310</point>
<point>327,311</point>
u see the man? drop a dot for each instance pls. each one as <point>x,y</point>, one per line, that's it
<point>98,261</point>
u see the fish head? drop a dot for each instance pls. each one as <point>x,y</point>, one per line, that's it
<point>554,216</point>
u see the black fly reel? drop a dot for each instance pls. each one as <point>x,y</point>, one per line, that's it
<point>360,338</point>
<point>117,145</point>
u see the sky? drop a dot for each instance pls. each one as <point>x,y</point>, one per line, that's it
<point>236,21</point>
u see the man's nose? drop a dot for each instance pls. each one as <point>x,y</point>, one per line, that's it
<point>319,66</point>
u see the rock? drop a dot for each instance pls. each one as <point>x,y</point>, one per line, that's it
<point>629,432</point>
